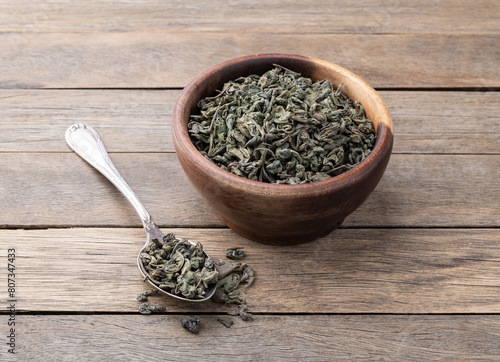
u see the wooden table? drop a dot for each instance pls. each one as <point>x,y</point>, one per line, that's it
<point>413,274</point>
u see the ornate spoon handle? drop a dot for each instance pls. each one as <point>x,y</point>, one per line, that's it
<point>85,141</point>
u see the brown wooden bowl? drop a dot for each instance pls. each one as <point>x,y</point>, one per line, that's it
<point>273,213</point>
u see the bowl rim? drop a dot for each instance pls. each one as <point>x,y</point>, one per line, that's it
<point>383,143</point>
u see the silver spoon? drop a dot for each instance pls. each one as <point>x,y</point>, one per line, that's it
<point>85,141</point>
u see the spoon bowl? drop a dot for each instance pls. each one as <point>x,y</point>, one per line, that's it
<point>86,142</point>
<point>153,232</point>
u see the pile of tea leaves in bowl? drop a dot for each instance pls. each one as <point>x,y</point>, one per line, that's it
<point>282,128</point>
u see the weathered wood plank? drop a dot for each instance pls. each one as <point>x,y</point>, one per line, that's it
<point>279,16</point>
<point>282,338</point>
<point>425,122</point>
<point>137,59</point>
<point>60,189</point>
<point>42,189</point>
<point>445,122</point>
<point>349,271</point>
<point>128,120</point>
<point>444,173</point>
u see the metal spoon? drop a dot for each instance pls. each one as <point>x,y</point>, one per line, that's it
<point>85,141</point>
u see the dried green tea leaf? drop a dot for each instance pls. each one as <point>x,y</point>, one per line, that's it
<point>143,297</point>
<point>235,253</point>
<point>228,322</point>
<point>282,128</point>
<point>186,272</point>
<point>146,308</point>
<point>191,323</point>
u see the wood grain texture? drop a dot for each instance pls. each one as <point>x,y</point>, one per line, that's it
<point>239,16</point>
<point>60,189</point>
<point>152,60</point>
<point>282,338</point>
<point>413,274</point>
<point>139,120</point>
<point>127,120</point>
<point>349,271</point>
<point>445,122</point>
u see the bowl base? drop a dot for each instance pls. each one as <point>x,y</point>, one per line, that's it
<point>270,239</point>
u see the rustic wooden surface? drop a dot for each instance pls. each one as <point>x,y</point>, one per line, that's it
<point>413,274</point>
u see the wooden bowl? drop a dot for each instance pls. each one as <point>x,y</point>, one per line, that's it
<point>274,213</point>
